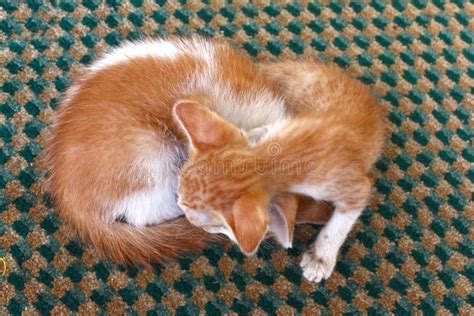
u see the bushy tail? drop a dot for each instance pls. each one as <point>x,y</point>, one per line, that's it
<point>127,244</point>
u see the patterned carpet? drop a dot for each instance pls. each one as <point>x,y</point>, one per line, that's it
<point>412,250</point>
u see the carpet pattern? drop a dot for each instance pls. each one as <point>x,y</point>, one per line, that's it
<point>412,250</point>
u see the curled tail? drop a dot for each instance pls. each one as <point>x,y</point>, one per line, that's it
<point>127,244</point>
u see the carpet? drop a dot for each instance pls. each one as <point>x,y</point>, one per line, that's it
<point>411,251</point>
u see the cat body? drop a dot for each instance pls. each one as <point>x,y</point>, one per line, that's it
<point>324,150</point>
<point>115,150</point>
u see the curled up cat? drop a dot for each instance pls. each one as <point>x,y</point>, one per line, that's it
<point>115,150</point>
<point>323,149</point>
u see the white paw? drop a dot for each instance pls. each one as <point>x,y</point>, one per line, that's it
<point>317,268</point>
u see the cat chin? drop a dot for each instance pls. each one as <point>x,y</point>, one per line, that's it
<point>224,230</point>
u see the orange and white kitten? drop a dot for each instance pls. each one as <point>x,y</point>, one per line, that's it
<point>115,151</point>
<point>324,150</point>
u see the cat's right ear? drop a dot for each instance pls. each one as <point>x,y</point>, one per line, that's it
<point>204,129</point>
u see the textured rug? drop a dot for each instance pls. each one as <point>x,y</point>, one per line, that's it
<point>412,250</point>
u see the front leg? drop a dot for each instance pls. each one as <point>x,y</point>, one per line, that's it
<point>319,262</point>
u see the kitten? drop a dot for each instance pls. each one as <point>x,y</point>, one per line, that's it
<point>115,151</point>
<point>324,150</point>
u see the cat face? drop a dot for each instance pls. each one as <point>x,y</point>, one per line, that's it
<point>219,189</point>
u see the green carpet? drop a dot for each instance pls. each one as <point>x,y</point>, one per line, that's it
<point>412,250</point>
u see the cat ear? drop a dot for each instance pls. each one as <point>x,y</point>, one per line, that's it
<point>204,129</point>
<point>287,210</point>
<point>251,220</point>
<point>283,210</point>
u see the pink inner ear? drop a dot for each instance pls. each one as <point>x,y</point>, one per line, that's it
<point>279,227</point>
<point>191,119</point>
<point>283,211</point>
<point>204,128</point>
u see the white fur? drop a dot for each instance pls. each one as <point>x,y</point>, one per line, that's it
<point>212,224</point>
<point>247,110</point>
<point>319,262</point>
<point>157,49</point>
<point>224,229</point>
<point>151,206</point>
<point>255,109</point>
<point>158,202</point>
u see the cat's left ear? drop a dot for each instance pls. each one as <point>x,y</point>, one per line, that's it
<point>288,209</point>
<point>204,129</point>
<point>251,220</point>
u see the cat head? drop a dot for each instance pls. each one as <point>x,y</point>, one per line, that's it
<point>219,189</point>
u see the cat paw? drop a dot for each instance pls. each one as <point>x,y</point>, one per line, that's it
<point>316,268</point>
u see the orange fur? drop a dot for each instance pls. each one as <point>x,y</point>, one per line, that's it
<point>114,116</point>
<point>336,129</point>
<point>313,212</point>
<point>251,220</point>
